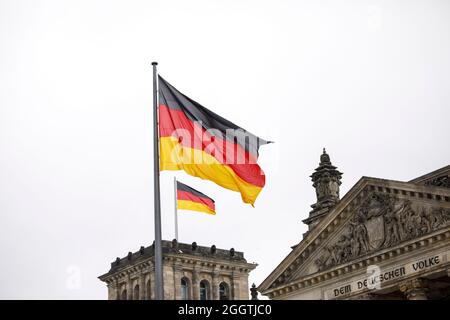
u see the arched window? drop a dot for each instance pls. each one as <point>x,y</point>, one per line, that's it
<point>136,292</point>
<point>149,290</point>
<point>224,291</point>
<point>185,289</point>
<point>204,290</point>
<point>124,295</point>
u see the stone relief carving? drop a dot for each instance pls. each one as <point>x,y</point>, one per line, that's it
<point>382,221</point>
<point>442,181</point>
<point>327,186</point>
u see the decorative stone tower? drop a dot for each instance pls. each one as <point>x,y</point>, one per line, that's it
<point>326,180</point>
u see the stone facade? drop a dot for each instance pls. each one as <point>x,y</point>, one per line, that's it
<point>190,272</point>
<point>384,239</point>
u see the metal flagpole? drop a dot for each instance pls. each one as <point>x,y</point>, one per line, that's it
<point>159,289</point>
<point>176,207</point>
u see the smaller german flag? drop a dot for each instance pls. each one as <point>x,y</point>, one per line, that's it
<point>191,199</point>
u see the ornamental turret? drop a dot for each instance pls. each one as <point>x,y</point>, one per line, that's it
<point>326,180</point>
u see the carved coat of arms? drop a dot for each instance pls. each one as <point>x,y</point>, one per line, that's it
<point>372,215</point>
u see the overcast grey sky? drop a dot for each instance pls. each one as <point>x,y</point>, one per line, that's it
<point>368,80</point>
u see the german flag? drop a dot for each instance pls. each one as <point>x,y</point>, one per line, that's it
<point>205,145</point>
<point>191,199</point>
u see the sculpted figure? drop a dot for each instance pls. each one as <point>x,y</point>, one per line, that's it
<point>425,224</point>
<point>348,247</point>
<point>325,261</point>
<point>319,264</point>
<point>391,229</point>
<point>401,222</point>
<point>338,250</point>
<point>416,223</point>
<point>439,218</point>
<point>354,245</point>
<point>409,222</point>
<point>343,249</point>
<point>333,251</point>
<point>400,214</point>
<point>359,237</point>
<point>445,216</point>
<point>408,226</point>
<point>436,219</point>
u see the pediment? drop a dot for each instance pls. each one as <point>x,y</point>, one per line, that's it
<point>375,215</point>
<point>383,220</point>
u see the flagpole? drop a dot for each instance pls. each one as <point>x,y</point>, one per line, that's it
<point>176,207</point>
<point>159,289</point>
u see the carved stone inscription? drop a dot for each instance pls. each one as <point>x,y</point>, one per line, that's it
<point>379,277</point>
<point>382,221</point>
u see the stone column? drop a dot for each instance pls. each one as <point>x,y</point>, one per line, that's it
<point>244,287</point>
<point>177,273</point>
<point>111,290</point>
<point>195,284</point>
<point>215,284</point>
<point>142,286</point>
<point>235,286</point>
<point>414,289</point>
<point>117,289</point>
<point>168,280</point>
<point>152,283</point>
<point>129,288</point>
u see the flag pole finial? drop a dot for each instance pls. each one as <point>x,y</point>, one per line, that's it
<point>154,63</point>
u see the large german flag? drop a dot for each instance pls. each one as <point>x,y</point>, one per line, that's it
<point>191,199</point>
<point>205,145</point>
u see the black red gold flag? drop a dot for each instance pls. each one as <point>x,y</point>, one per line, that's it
<point>190,199</point>
<point>205,145</point>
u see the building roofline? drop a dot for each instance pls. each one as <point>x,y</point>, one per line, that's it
<point>173,248</point>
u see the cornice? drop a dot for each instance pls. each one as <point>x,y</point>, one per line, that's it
<point>187,261</point>
<point>131,270</point>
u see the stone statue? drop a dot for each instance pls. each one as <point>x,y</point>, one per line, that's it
<point>254,292</point>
